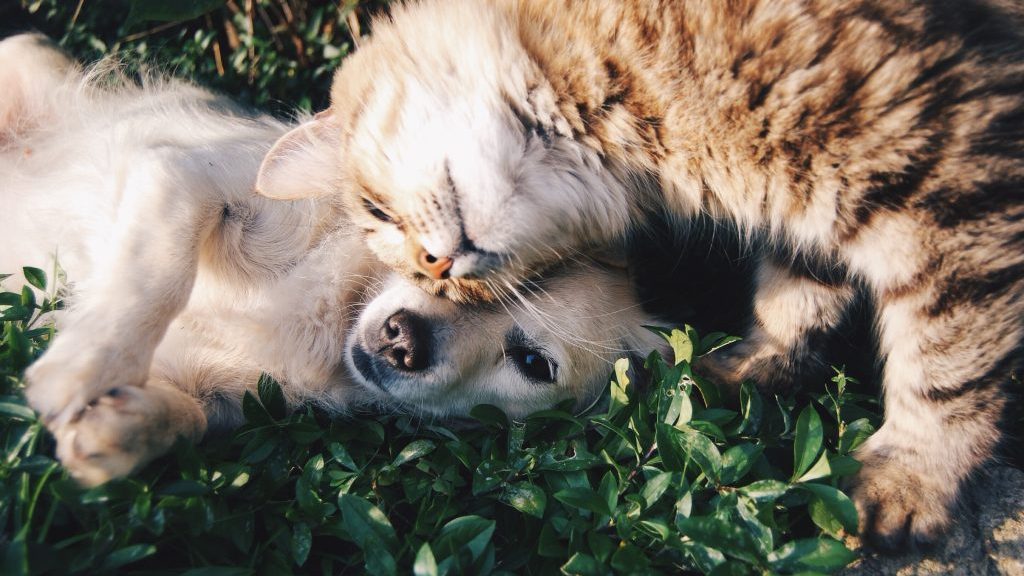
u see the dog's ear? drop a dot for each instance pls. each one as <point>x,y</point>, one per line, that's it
<point>304,162</point>
<point>32,70</point>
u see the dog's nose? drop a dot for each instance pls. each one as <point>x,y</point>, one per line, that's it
<point>436,267</point>
<point>405,341</point>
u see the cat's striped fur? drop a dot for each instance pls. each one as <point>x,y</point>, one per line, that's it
<point>880,141</point>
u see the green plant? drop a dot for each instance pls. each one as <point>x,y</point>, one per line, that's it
<point>275,54</point>
<point>670,480</point>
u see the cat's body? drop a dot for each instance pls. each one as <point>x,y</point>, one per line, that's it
<point>876,144</point>
<point>185,286</point>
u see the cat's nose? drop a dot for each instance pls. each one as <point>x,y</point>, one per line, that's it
<point>405,342</point>
<point>436,267</point>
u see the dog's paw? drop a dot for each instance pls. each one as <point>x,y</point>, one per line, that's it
<point>899,508</point>
<point>123,430</point>
<point>73,374</point>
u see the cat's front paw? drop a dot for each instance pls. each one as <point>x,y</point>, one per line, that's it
<point>899,507</point>
<point>123,430</point>
<point>771,369</point>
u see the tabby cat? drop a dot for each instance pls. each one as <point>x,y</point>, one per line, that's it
<point>875,145</point>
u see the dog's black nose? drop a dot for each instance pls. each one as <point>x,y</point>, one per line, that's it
<point>405,341</point>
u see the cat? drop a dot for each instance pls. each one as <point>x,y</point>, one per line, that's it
<point>185,286</point>
<point>869,146</point>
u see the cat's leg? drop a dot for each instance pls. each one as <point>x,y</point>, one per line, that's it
<point>127,428</point>
<point>140,280</point>
<point>794,310</point>
<point>947,361</point>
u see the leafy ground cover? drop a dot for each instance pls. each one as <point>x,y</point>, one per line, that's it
<point>671,480</point>
<point>665,481</point>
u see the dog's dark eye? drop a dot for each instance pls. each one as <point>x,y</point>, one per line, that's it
<point>376,212</point>
<point>532,364</point>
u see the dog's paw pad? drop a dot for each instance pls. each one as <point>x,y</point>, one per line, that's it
<point>113,435</point>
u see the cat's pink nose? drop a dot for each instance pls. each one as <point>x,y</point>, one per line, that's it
<point>433,266</point>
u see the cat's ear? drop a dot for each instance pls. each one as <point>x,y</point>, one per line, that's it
<point>304,162</point>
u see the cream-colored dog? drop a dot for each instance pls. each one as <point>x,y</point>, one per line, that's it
<point>185,285</point>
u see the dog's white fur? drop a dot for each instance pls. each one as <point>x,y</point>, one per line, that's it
<point>185,285</point>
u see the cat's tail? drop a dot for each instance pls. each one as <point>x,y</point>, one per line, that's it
<point>32,70</point>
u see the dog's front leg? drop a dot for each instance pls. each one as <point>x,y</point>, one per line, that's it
<point>140,280</point>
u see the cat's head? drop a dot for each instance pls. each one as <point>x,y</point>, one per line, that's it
<point>453,155</point>
<point>525,352</point>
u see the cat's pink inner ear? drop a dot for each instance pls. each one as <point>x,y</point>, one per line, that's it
<point>303,163</point>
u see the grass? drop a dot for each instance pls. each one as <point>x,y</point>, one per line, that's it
<point>667,481</point>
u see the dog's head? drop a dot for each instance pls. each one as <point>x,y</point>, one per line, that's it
<point>538,345</point>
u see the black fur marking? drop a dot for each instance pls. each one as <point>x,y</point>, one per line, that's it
<point>893,190</point>
<point>952,209</point>
<point>997,375</point>
<point>1004,135</point>
<point>618,85</point>
<point>976,288</point>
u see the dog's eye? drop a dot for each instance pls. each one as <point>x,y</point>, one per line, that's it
<point>376,212</point>
<point>532,364</point>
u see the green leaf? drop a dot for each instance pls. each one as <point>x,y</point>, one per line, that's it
<point>470,532</point>
<point>729,537</point>
<point>127,555</point>
<point>708,390</point>
<point>16,312</point>
<point>164,11</point>
<point>843,466</point>
<point>341,456</point>
<point>619,389</point>
<point>302,542</point>
<point>609,490</point>
<point>766,490</point>
<point>271,396</point>
<point>412,451</point>
<point>425,564</point>
<point>656,528</point>
<point>855,434</point>
<point>654,487</point>
<point>738,460</point>
<point>35,277</point>
<point>820,554</point>
<point>28,298</point>
<point>490,415</point>
<point>706,558</point>
<point>808,441</point>
<point>17,411</point>
<point>366,523</point>
<point>254,411</point>
<point>630,559</point>
<point>821,469</point>
<point>526,498</point>
<point>752,408</point>
<point>583,565</point>
<point>838,505</point>
<point>682,345</point>
<point>218,571</point>
<point>583,499</point>
<point>714,341</point>
<point>677,446</point>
